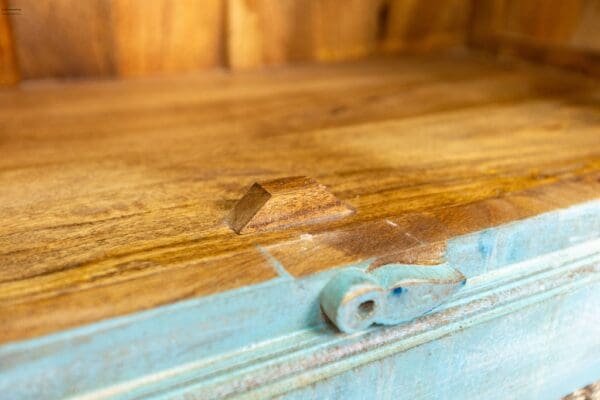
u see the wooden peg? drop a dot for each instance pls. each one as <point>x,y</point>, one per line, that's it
<point>283,203</point>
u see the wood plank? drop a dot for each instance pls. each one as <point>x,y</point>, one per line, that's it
<point>271,32</point>
<point>111,183</point>
<point>63,38</point>
<point>266,32</point>
<point>161,36</point>
<point>563,33</point>
<point>183,280</point>
<point>9,73</point>
<point>416,25</point>
<point>355,33</point>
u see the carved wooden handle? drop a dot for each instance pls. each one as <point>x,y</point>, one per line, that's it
<point>355,299</point>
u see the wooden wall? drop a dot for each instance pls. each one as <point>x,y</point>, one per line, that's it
<point>123,38</point>
<point>560,32</point>
<point>120,38</point>
<point>90,38</point>
<point>263,32</point>
<point>8,64</point>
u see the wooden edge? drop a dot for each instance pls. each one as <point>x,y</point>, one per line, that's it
<point>420,238</point>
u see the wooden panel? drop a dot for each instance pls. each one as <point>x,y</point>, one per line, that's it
<point>167,36</point>
<point>265,32</point>
<point>67,38</point>
<point>268,32</point>
<point>346,30</point>
<point>425,25</point>
<point>565,33</point>
<point>8,63</point>
<point>63,38</point>
<point>114,182</point>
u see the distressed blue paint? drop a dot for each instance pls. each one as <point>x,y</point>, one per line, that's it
<point>192,342</point>
<point>309,362</point>
<point>275,263</point>
<point>491,360</point>
<point>345,295</point>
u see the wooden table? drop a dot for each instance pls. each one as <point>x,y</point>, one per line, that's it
<point>120,275</point>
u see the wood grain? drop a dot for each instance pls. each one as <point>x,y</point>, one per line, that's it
<point>163,36</point>
<point>265,32</point>
<point>417,25</point>
<point>283,203</point>
<point>271,32</point>
<point>109,184</point>
<point>63,38</point>
<point>563,33</point>
<point>9,73</point>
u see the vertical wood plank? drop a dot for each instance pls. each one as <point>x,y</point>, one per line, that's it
<point>63,38</point>
<point>487,19</point>
<point>346,30</point>
<point>420,25</point>
<point>587,32</point>
<point>563,33</point>
<point>267,32</point>
<point>550,22</point>
<point>157,36</point>
<point>554,23</point>
<point>8,64</point>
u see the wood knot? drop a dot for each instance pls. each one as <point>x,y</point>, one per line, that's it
<point>285,202</point>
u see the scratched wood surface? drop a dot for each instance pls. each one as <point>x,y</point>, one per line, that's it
<point>115,195</point>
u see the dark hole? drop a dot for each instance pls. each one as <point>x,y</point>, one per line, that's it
<point>366,308</point>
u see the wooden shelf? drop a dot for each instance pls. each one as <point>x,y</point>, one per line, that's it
<point>115,194</point>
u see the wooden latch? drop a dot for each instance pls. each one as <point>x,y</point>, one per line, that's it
<point>394,293</point>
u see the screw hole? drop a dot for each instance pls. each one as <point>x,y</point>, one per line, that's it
<point>366,309</point>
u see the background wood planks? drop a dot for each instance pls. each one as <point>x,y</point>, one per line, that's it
<point>162,36</point>
<point>123,187</point>
<point>123,38</point>
<point>564,33</point>
<point>63,38</point>
<point>8,64</point>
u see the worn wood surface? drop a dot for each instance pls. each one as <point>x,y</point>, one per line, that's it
<point>113,192</point>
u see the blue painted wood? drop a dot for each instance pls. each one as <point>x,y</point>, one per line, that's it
<point>355,299</point>
<point>528,284</point>
<point>541,351</point>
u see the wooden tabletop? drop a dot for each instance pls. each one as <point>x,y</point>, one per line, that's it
<point>115,195</point>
